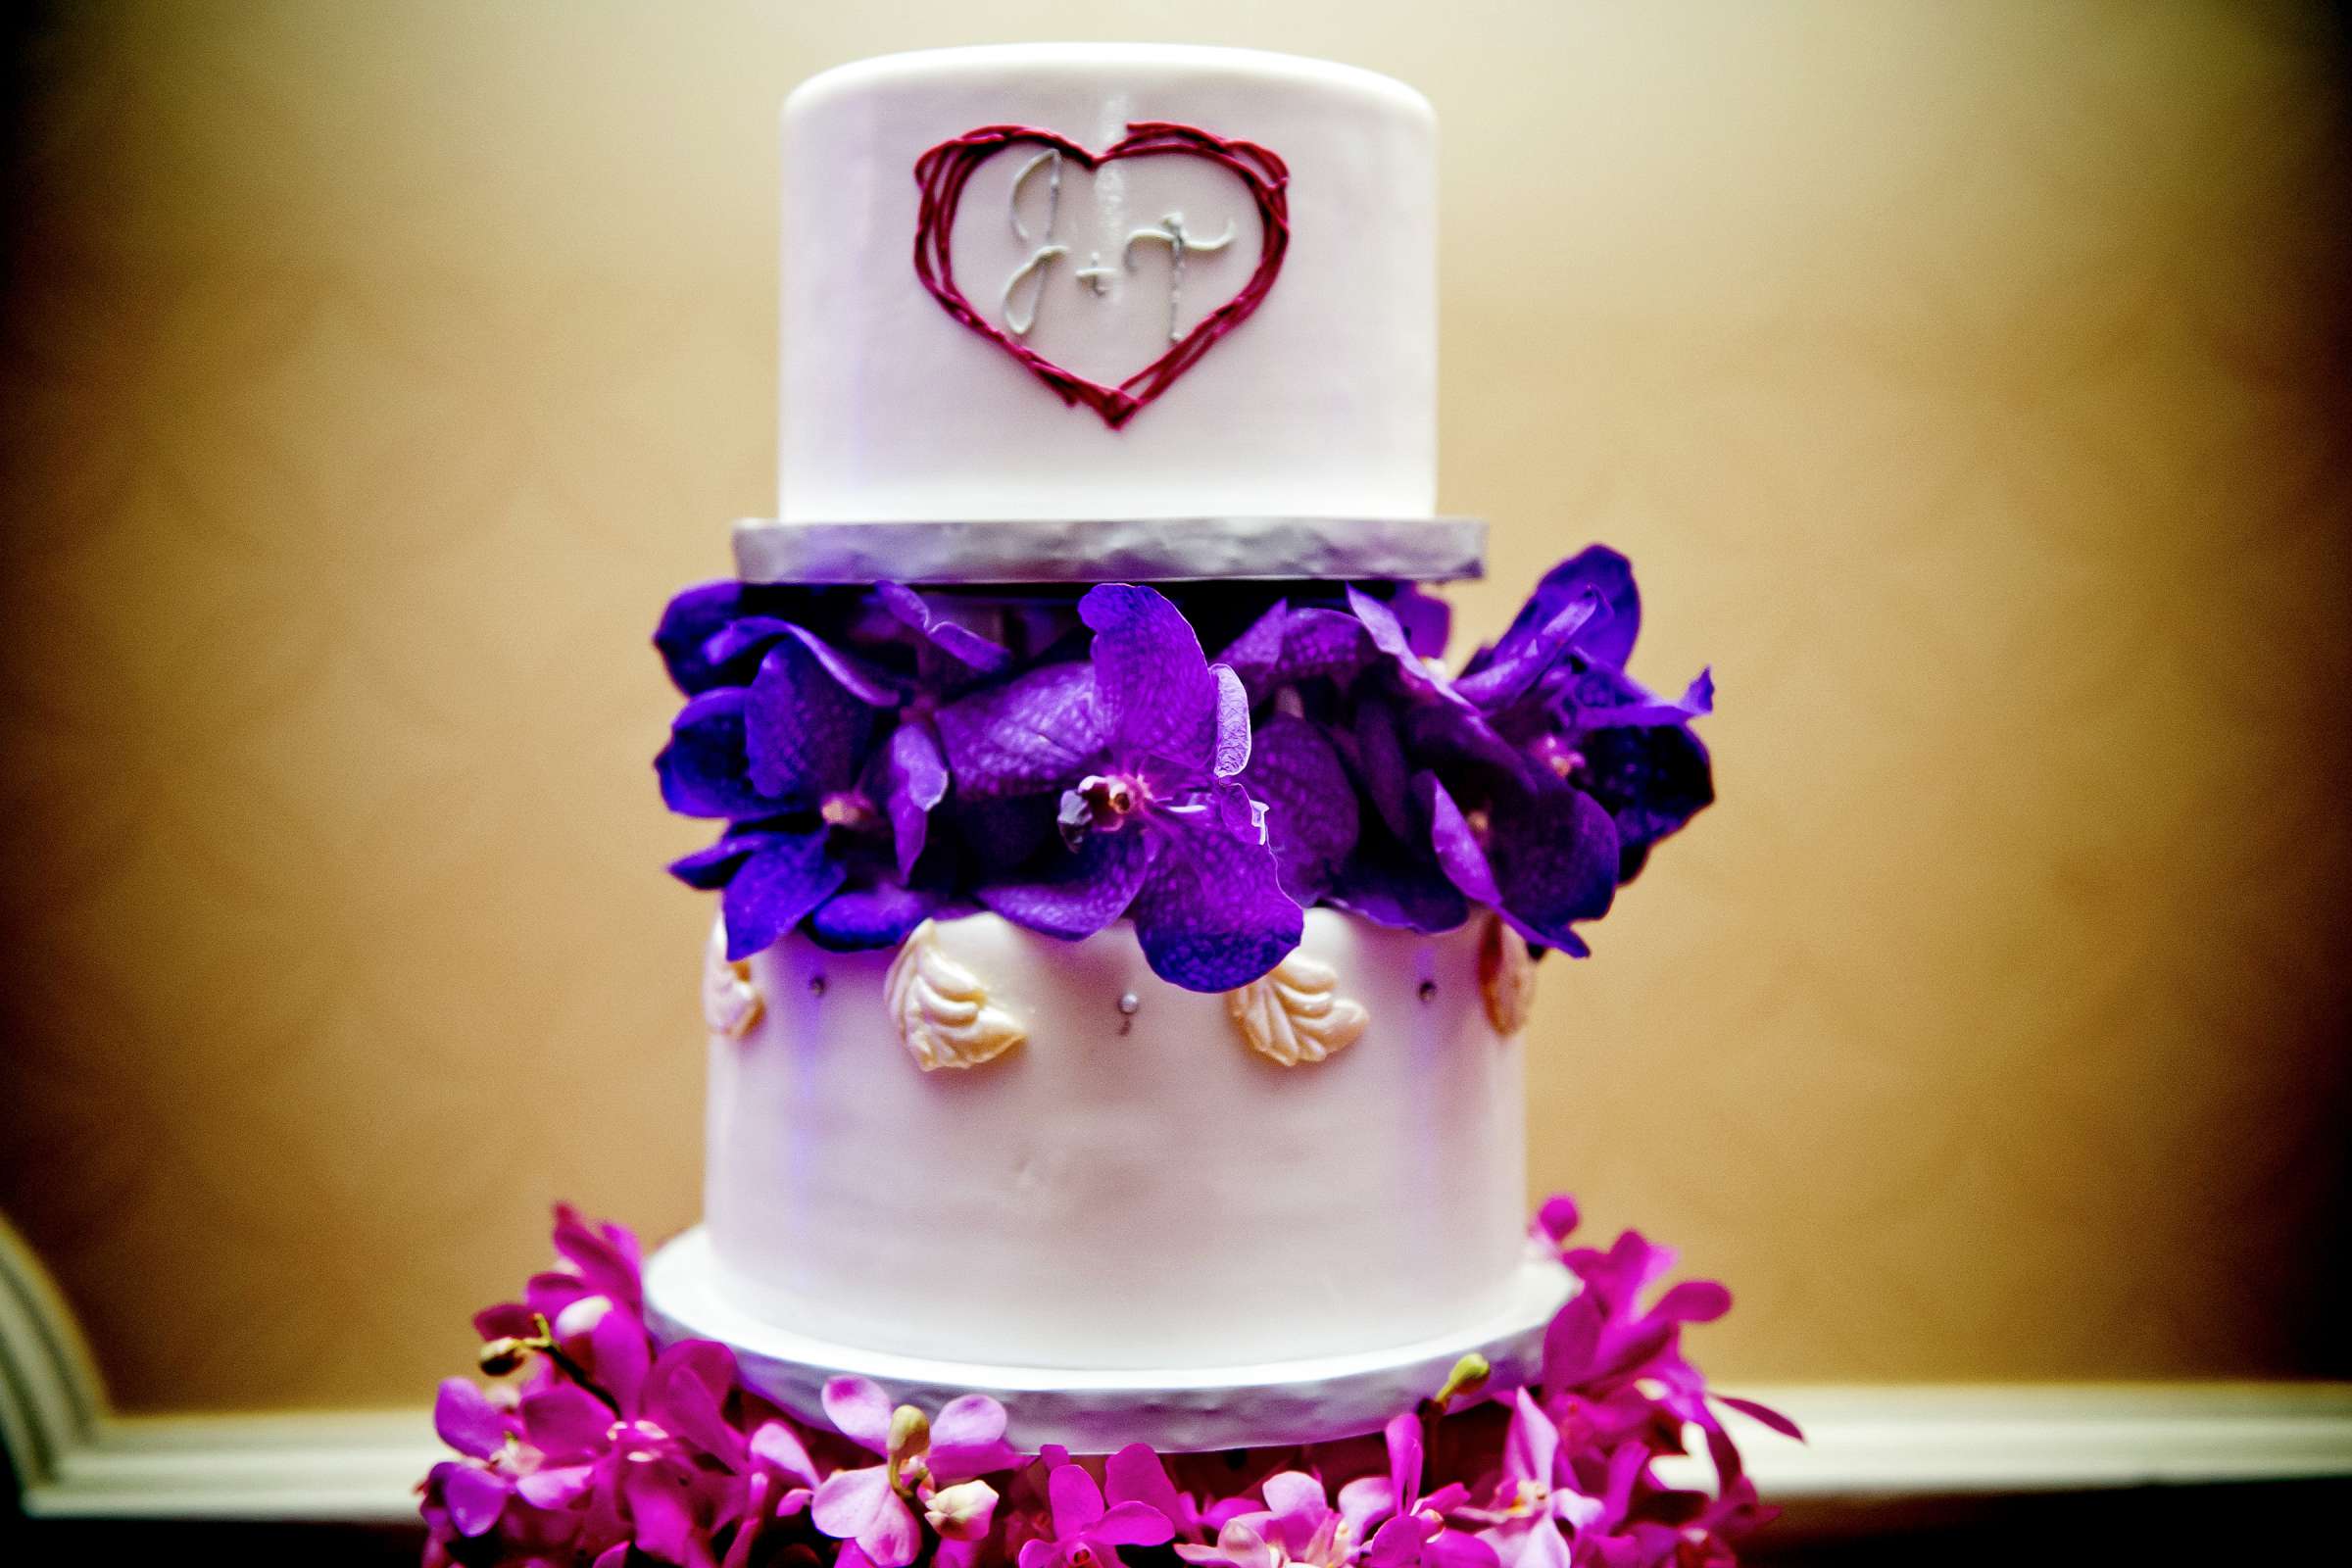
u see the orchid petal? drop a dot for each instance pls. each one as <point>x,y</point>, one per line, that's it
<point>1136,1474</point>
<point>681,1397</point>
<point>466,1420</point>
<point>1034,733</point>
<point>565,1421</point>
<point>967,1439</point>
<point>619,1356</point>
<point>1076,1501</point>
<point>919,781</point>
<point>1367,1501</point>
<point>778,1447</point>
<point>705,768</point>
<point>688,623</point>
<point>1532,1443</point>
<point>877,915</point>
<point>1232,753</point>
<point>1518,665</point>
<point>1459,853</point>
<point>1764,1413</point>
<point>1294,1493</point>
<point>1400,1540</point>
<point>806,720</point>
<point>968,1420</point>
<point>1402,1436</point>
<point>1312,820</point>
<point>1134,1524</point>
<point>1211,914</point>
<point>860,1410</point>
<point>1252,654</point>
<point>967,647</point>
<point>557,1486</point>
<point>776,887</point>
<point>475,1498</point>
<point>1069,894</point>
<point>1157,695</point>
<point>661,1512</point>
<point>848,1502</point>
<point>1554,855</point>
<point>1693,1301</point>
<point>1454,1548</point>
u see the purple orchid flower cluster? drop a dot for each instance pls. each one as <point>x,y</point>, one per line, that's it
<point>881,756</point>
<point>612,1451</point>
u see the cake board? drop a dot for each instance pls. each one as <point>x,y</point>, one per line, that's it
<point>1188,1410</point>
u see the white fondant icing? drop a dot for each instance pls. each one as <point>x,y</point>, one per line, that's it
<point>1321,404</point>
<point>1130,1188</point>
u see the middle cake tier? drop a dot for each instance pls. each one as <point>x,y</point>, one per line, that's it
<point>1144,1176</point>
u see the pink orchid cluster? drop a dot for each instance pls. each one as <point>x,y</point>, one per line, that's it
<point>612,1451</point>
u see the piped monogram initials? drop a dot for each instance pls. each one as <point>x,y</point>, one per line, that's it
<point>944,171</point>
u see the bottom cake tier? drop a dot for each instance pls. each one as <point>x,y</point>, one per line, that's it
<point>1176,1409</point>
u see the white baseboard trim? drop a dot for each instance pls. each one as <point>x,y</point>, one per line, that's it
<point>77,1460</point>
<point>1892,1440</point>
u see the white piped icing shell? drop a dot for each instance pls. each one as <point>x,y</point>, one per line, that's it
<point>1296,1013</point>
<point>942,1009</point>
<point>731,1002</point>
<point>1506,977</point>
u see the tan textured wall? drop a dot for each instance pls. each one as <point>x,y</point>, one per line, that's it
<point>1969,382</point>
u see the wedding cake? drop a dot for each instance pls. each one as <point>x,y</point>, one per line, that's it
<point>1127,919</point>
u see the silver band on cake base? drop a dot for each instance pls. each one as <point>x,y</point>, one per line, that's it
<point>1190,1410</point>
<point>1112,550</point>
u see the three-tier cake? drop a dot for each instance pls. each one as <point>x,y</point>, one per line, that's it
<point>1127,919</point>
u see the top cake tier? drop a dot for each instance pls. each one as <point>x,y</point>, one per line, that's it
<point>1108,281</point>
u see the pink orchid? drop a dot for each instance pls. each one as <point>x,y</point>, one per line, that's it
<point>1297,1525</point>
<point>1533,1501</point>
<point>1416,1531</point>
<point>872,1505</point>
<point>516,1451</point>
<point>1087,1529</point>
<point>607,1453</point>
<point>600,1262</point>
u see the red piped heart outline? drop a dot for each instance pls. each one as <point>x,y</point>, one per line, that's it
<point>943,172</point>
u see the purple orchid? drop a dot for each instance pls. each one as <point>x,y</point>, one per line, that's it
<point>827,768</point>
<point>881,756</point>
<point>874,1505</point>
<point>1087,1529</point>
<point>1554,686</point>
<point>1135,756</point>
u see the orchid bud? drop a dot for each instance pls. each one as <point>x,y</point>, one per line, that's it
<point>502,1355</point>
<point>910,1432</point>
<point>961,1512</point>
<point>1468,1377</point>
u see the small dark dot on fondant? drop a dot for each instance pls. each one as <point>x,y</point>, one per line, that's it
<point>816,985</point>
<point>1428,991</point>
